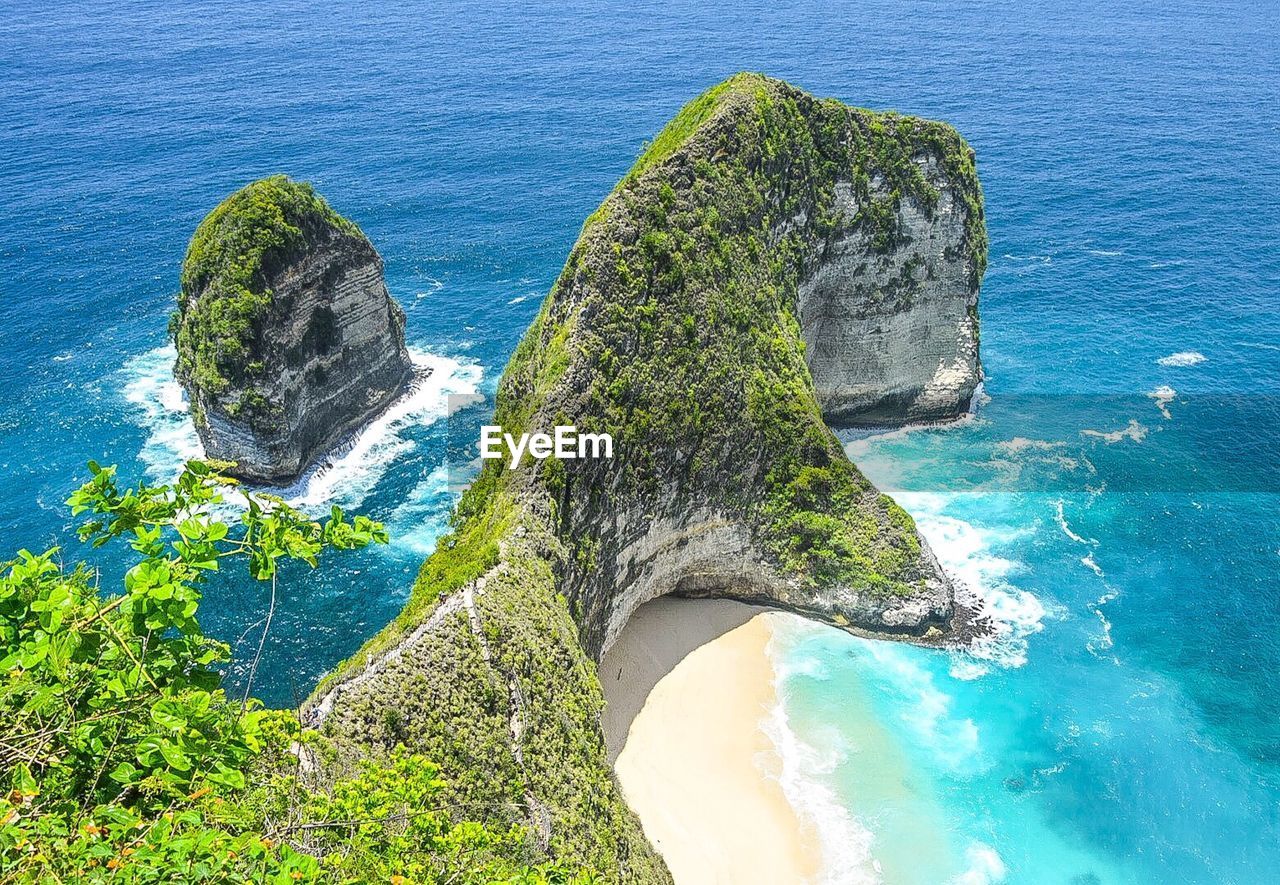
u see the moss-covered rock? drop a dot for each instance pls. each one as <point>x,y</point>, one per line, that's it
<point>676,326</point>
<point>286,336</point>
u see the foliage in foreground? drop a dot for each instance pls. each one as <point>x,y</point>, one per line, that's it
<point>123,760</point>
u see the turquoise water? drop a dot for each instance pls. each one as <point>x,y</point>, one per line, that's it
<point>1122,727</point>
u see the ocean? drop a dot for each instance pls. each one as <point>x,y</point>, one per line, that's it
<point>1113,501</point>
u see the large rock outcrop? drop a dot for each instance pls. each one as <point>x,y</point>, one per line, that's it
<point>890,310</point>
<point>692,321</point>
<point>287,337</point>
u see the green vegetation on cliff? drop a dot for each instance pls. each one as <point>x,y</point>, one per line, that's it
<point>502,692</point>
<point>463,743</point>
<point>674,327</point>
<point>225,294</point>
<point>688,276</point>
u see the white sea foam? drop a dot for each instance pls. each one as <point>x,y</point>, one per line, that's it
<point>1015,615</point>
<point>518,299</point>
<point>1020,444</point>
<point>1163,395</point>
<point>1183,358</point>
<point>1092,564</point>
<point>883,467</point>
<point>1134,430</point>
<point>966,669</point>
<point>965,552</point>
<point>411,527</point>
<point>925,708</point>
<point>1011,457</point>
<point>1052,770</point>
<point>865,443</point>
<point>434,286</point>
<point>162,411</point>
<point>809,667</point>
<point>985,866</point>
<point>1061,517</point>
<point>1103,642</point>
<point>348,475</point>
<point>344,477</point>
<point>1104,253</point>
<point>804,777</point>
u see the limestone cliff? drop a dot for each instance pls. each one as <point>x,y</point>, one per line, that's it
<point>755,247</point>
<point>287,337</point>
<point>889,311</point>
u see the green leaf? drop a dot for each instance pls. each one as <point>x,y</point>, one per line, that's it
<point>23,781</point>
<point>226,776</point>
<point>174,756</point>
<point>147,750</point>
<point>168,714</point>
<point>126,774</point>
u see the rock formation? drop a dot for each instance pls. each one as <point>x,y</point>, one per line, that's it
<point>771,257</point>
<point>287,337</point>
<point>890,314</point>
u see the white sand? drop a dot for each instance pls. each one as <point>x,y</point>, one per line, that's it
<point>696,766</point>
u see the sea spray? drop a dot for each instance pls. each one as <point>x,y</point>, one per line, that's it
<point>965,550</point>
<point>161,408</point>
<point>348,475</point>
<point>966,553</point>
<point>423,514</point>
<point>344,476</point>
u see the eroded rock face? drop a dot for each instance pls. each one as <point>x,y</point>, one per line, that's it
<point>707,554</point>
<point>288,339</point>
<point>892,333</point>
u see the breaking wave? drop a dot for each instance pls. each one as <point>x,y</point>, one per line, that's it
<point>161,407</point>
<point>1182,358</point>
<point>804,777</point>
<point>966,553</point>
<point>346,475</point>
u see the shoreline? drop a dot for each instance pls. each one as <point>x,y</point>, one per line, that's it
<point>695,761</point>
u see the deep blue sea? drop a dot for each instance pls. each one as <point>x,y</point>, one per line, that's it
<point>1114,501</point>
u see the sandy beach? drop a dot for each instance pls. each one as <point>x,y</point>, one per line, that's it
<point>694,761</point>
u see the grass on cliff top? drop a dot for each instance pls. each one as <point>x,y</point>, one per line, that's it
<point>687,121</point>
<point>224,280</point>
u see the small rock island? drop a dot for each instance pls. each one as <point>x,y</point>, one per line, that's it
<point>287,337</point>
